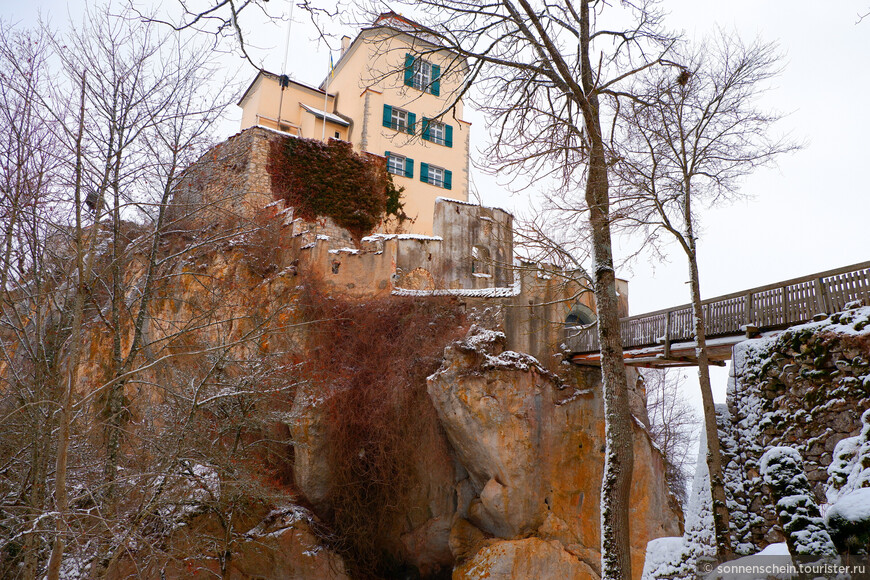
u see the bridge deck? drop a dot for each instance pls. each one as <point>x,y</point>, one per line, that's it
<point>665,337</point>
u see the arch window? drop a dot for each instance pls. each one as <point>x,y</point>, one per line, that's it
<point>580,315</point>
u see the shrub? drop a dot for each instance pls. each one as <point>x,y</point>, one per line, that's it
<point>801,521</point>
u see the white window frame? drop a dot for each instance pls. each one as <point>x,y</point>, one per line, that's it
<point>437,132</point>
<point>399,119</point>
<point>436,176</point>
<point>394,162</point>
<point>422,74</point>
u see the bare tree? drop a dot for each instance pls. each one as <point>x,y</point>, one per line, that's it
<point>689,138</point>
<point>31,332</point>
<point>547,75</point>
<point>222,19</point>
<point>103,143</point>
<point>673,425</point>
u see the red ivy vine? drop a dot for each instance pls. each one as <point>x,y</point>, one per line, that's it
<point>331,180</point>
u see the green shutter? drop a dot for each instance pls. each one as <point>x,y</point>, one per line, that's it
<point>426,129</point>
<point>448,135</point>
<point>409,167</point>
<point>412,120</point>
<point>448,179</point>
<point>424,172</point>
<point>435,89</point>
<point>388,116</point>
<point>409,69</point>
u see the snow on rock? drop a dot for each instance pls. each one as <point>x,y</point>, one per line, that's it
<point>850,468</point>
<point>664,558</point>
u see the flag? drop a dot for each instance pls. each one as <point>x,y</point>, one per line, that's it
<point>331,66</point>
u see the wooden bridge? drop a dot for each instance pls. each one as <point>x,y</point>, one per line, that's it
<point>666,337</point>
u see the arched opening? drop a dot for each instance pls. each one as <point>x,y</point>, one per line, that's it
<point>580,315</point>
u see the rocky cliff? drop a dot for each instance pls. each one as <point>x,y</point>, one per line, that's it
<point>272,429</point>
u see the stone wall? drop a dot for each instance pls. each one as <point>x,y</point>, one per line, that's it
<point>230,185</point>
<point>805,388</point>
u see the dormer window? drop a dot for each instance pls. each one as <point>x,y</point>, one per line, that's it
<point>422,75</point>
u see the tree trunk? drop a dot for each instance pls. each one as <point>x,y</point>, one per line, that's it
<point>618,436</point>
<point>65,408</point>
<point>721,519</point>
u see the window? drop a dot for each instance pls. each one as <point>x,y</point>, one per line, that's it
<point>422,75</point>
<point>480,261</point>
<point>399,165</point>
<point>437,132</point>
<point>579,315</point>
<point>399,119</point>
<point>437,176</point>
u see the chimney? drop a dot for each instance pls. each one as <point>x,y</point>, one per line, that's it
<point>345,44</point>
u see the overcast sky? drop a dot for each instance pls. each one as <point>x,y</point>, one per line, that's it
<point>808,214</point>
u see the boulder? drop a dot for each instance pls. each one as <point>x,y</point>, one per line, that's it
<point>532,446</point>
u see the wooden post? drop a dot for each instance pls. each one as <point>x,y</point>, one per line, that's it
<point>747,309</point>
<point>785,304</point>
<point>667,335</point>
<point>821,297</point>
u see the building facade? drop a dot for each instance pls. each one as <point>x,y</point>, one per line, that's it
<point>393,92</point>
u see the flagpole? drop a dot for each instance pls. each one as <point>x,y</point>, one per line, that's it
<point>325,96</point>
<point>284,65</point>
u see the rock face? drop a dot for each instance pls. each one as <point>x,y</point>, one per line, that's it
<point>280,547</point>
<point>521,559</point>
<point>532,450</point>
<point>430,508</point>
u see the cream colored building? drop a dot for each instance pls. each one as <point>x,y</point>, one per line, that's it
<point>393,92</point>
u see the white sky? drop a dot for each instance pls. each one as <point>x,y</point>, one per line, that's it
<point>808,214</point>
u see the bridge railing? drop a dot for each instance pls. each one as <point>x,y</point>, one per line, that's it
<point>766,307</point>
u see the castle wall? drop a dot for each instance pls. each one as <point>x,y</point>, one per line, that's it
<point>465,227</point>
<point>805,388</point>
<point>229,184</point>
<point>470,255</point>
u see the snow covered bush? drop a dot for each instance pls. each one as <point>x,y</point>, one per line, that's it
<point>850,468</point>
<point>805,532</point>
<point>849,522</point>
<point>849,491</point>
